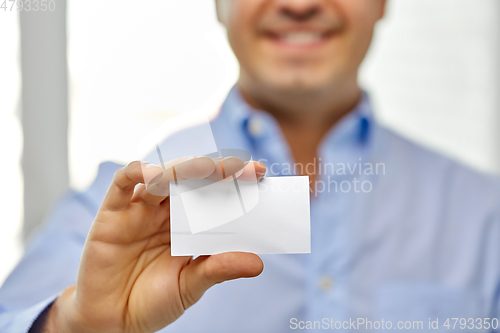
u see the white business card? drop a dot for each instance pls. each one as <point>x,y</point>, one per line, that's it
<point>270,216</point>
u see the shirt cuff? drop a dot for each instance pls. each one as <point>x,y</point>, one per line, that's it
<point>22,321</point>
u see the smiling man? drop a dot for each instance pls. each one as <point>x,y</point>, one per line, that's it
<point>299,62</point>
<point>414,249</point>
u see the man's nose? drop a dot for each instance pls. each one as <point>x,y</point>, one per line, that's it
<point>300,10</point>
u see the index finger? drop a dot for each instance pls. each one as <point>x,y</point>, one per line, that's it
<point>124,180</point>
<point>191,167</point>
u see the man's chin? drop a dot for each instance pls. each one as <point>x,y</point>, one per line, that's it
<point>298,85</point>
<point>297,80</point>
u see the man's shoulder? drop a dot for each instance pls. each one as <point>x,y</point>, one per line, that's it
<point>434,170</point>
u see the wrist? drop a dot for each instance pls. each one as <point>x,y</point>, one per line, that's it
<point>59,317</point>
<point>65,316</point>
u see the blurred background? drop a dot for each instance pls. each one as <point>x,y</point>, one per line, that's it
<point>82,83</point>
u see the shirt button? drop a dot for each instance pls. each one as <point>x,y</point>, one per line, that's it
<point>326,283</point>
<point>256,126</point>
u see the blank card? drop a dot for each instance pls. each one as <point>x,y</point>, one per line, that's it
<point>270,216</point>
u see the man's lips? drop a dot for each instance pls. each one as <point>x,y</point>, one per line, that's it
<point>300,38</point>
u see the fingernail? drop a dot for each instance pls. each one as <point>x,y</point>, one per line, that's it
<point>150,165</point>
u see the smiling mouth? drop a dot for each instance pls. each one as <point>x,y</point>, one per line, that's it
<point>300,38</point>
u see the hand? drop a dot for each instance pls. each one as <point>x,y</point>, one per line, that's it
<point>127,280</point>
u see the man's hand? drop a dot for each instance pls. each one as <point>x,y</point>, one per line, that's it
<point>127,280</point>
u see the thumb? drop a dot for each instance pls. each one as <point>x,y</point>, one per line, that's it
<point>206,271</point>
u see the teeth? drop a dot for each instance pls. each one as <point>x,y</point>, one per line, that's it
<point>301,37</point>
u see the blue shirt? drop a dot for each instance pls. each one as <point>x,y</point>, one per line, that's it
<point>399,234</point>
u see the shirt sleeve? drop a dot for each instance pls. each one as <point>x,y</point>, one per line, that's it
<point>49,265</point>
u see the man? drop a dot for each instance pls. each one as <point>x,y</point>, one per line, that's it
<point>412,249</point>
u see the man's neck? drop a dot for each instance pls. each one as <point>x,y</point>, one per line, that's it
<point>316,110</point>
<point>304,117</point>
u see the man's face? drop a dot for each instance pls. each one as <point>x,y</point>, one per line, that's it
<point>300,44</point>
